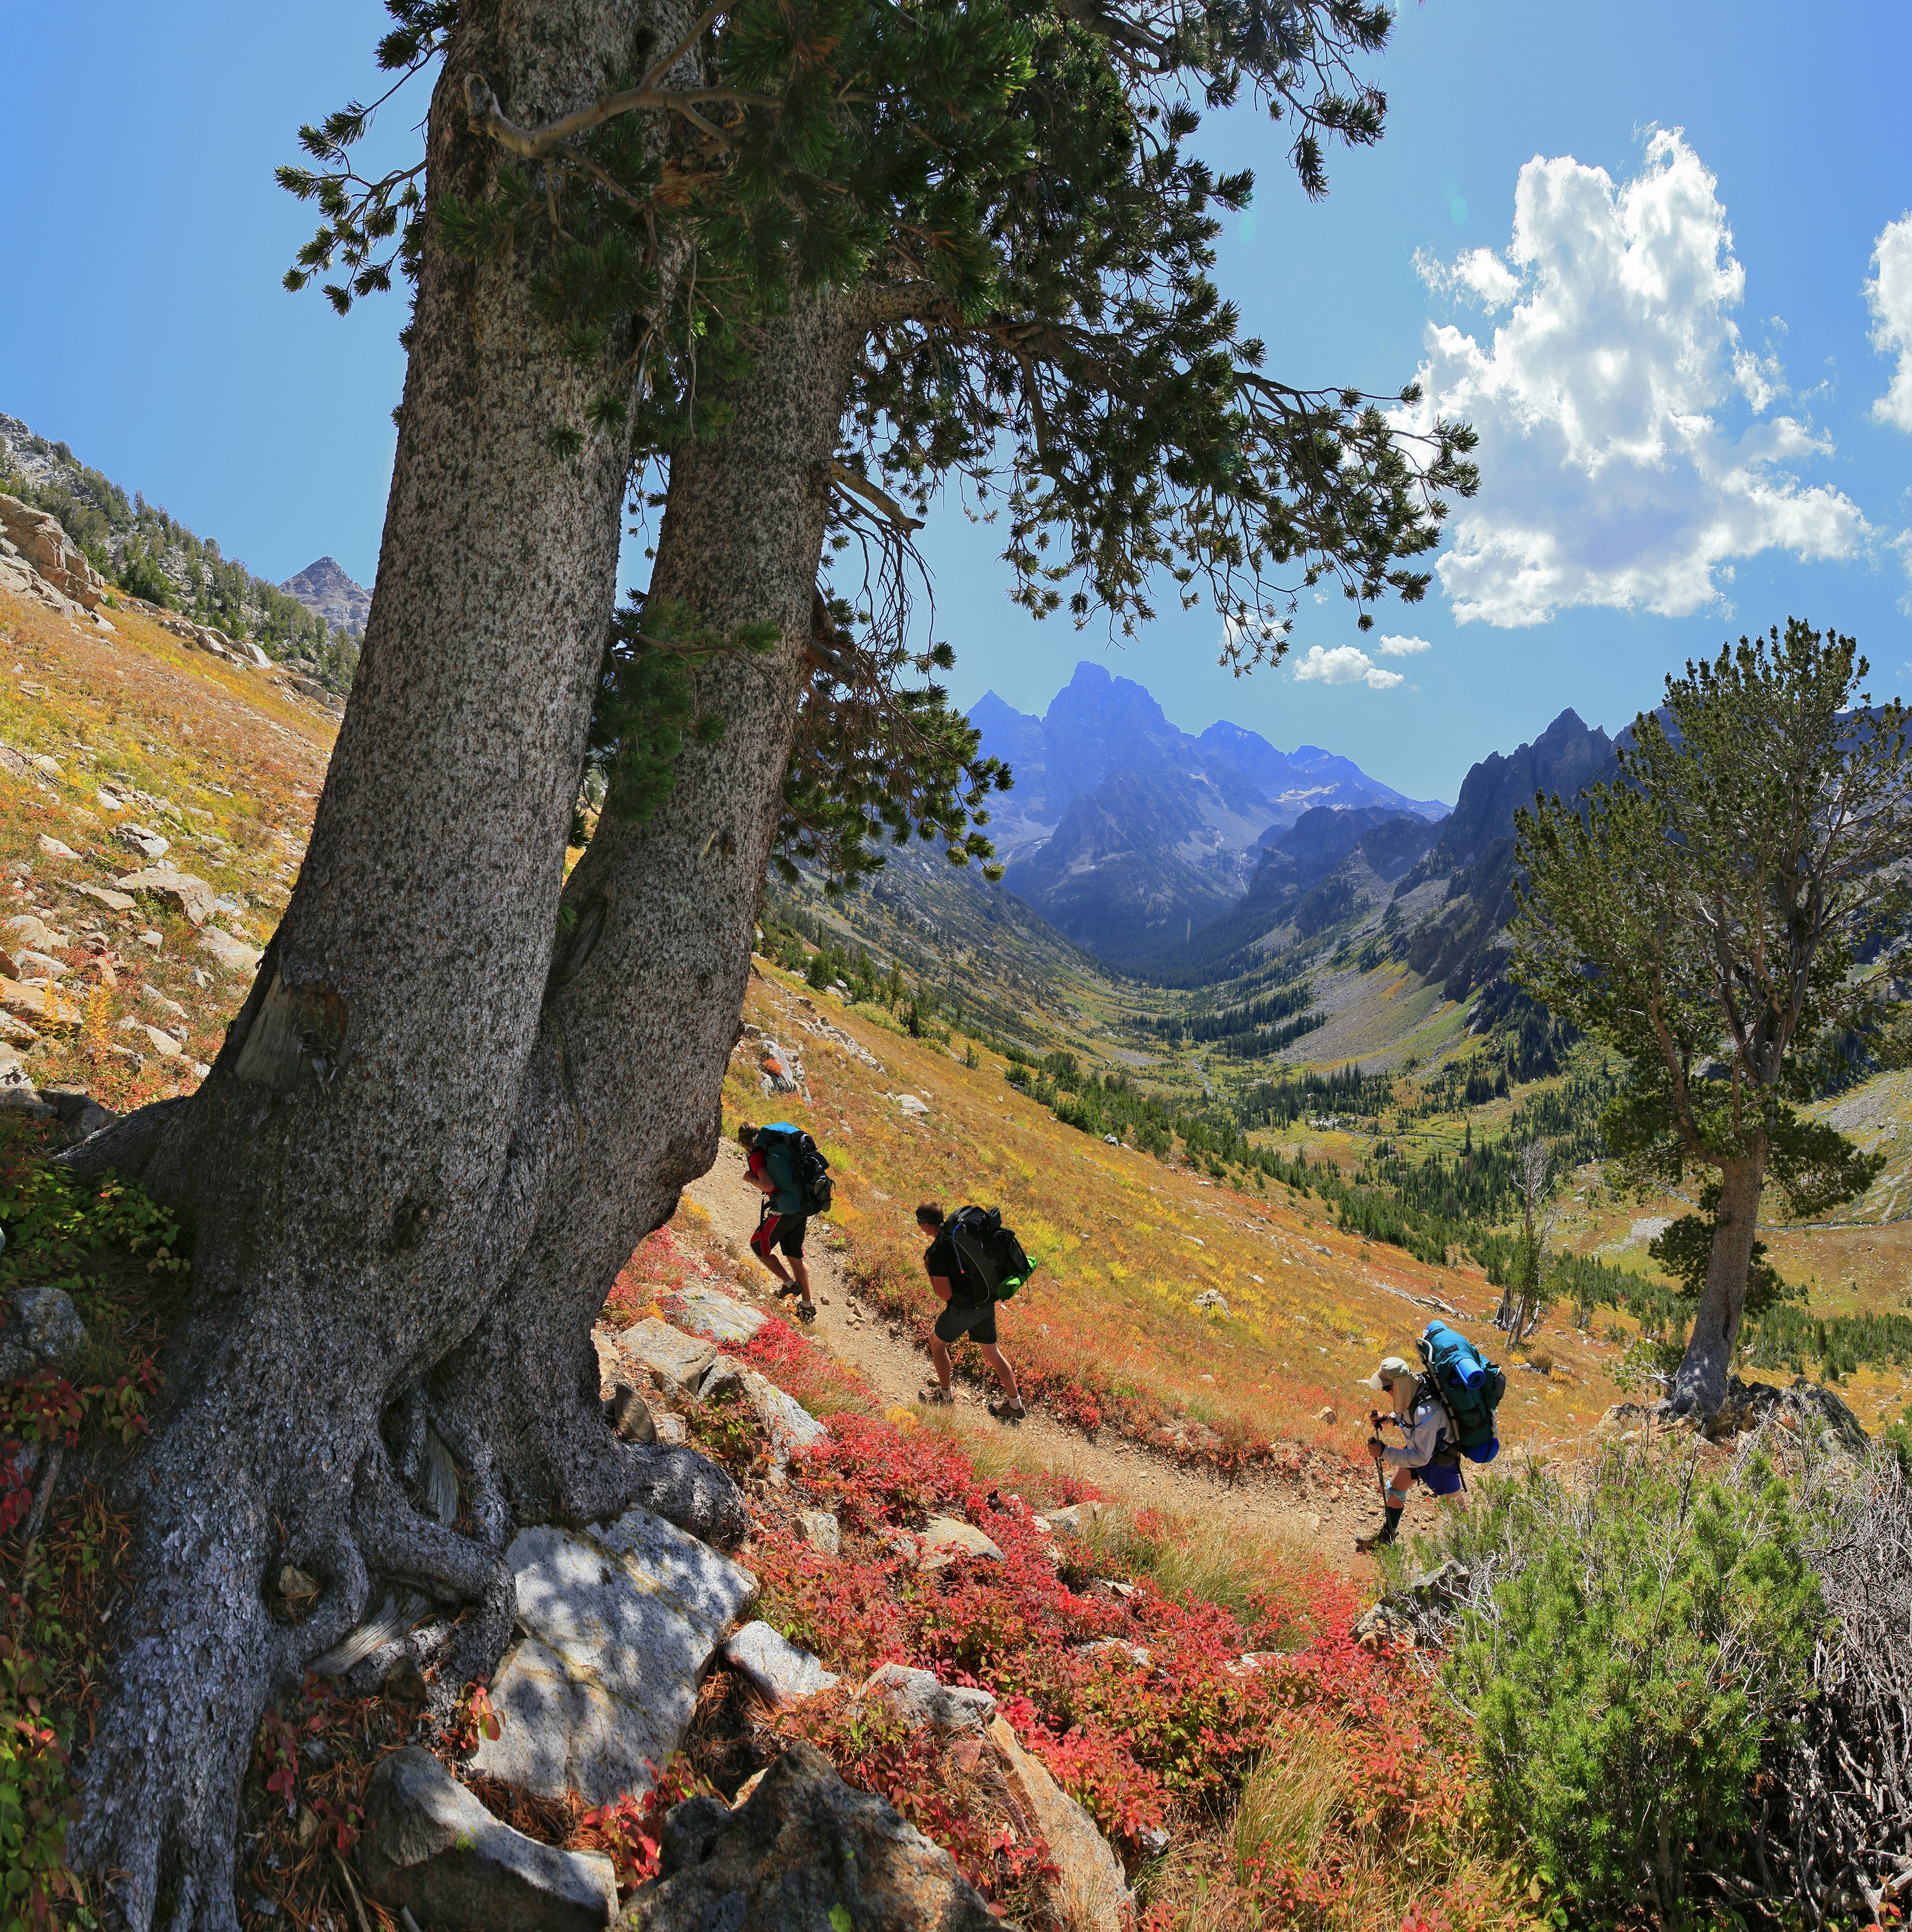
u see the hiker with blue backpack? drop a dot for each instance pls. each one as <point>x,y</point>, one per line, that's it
<point>1445,1410</point>
<point>789,1168</point>
<point>973,1262</point>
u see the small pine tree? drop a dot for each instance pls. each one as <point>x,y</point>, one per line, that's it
<point>1714,916</point>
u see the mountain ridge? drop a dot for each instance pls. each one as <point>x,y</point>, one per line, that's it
<point>149,553</point>
<point>1123,831</point>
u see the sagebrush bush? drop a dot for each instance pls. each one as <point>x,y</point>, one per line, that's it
<point>1650,1630</point>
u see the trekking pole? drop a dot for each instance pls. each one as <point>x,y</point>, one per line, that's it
<point>1374,1437</point>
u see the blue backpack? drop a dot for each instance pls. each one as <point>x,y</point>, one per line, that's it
<point>1467,1386</point>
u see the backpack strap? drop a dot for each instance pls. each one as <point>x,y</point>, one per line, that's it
<point>1429,1389</point>
<point>970,1256</point>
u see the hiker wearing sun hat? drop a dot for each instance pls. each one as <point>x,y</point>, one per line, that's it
<point>1424,1456</point>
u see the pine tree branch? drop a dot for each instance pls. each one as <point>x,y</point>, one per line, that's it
<point>847,478</point>
<point>486,117</point>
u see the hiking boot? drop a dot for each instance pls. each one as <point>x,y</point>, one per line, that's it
<point>786,1289</point>
<point>1385,1534</point>
<point>934,1394</point>
<point>1006,1410</point>
<point>806,1311</point>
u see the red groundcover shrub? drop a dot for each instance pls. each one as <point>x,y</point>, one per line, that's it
<point>1154,1711</point>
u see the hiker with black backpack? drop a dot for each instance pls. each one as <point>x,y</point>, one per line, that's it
<point>1445,1410</point>
<point>794,1178</point>
<point>973,1262</point>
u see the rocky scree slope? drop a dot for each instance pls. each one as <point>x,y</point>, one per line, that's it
<point>154,800</point>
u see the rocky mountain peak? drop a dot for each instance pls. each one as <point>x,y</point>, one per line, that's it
<point>1124,830</point>
<point>1565,758</point>
<point>325,590</point>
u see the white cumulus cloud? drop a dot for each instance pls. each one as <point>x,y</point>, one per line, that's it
<point>1345,664</point>
<point>1479,271</point>
<point>1608,476</point>
<point>1889,292</point>
<point>1404,647</point>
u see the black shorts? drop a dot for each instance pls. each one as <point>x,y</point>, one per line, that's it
<point>780,1231</point>
<point>977,1320</point>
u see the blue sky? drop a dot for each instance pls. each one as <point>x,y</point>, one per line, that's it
<point>1686,389</point>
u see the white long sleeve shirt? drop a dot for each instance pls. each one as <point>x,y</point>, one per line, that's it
<point>1422,1430</point>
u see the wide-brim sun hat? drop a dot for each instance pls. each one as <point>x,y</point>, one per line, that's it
<point>1392,1370</point>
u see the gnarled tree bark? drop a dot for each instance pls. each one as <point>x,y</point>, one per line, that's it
<point>612,1107</point>
<point>367,1159</point>
<point>621,1101</point>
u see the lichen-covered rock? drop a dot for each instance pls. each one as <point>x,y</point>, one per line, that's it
<point>18,1094</point>
<point>629,1415</point>
<point>183,891</point>
<point>706,1312</point>
<point>920,1698</point>
<point>790,1425</point>
<point>620,1625</point>
<point>676,1358</point>
<point>40,1005</point>
<point>776,1668</point>
<point>820,1530</point>
<point>808,1853</point>
<point>1748,1404</point>
<point>42,1331</point>
<point>1089,1893</point>
<point>430,1846</point>
<point>945,1538</point>
<point>234,955</point>
<point>78,1113</point>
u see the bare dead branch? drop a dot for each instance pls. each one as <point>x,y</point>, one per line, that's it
<point>844,478</point>
<point>487,117</point>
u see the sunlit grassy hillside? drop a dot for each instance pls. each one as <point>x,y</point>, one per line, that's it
<point>103,732</point>
<point>226,764</point>
<point>1126,1244</point>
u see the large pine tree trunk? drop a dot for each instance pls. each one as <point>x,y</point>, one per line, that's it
<point>352,1159</point>
<point>1700,1387</point>
<point>622,1102</point>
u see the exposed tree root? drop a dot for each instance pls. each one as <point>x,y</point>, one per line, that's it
<point>406,1545</point>
<point>126,1145</point>
<point>680,1485</point>
<point>160,1783</point>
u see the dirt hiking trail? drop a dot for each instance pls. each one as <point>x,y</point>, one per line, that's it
<point>1323,1513</point>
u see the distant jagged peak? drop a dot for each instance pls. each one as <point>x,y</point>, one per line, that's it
<point>1100,723</point>
<point>1564,759</point>
<point>325,589</point>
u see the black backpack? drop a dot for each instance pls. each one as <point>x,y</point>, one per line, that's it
<point>791,1150</point>
<point>989,1251</point>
